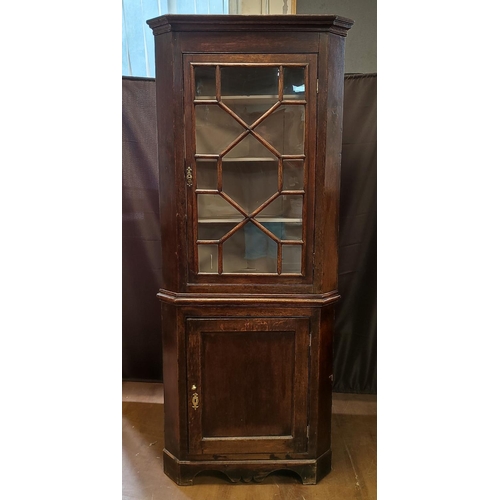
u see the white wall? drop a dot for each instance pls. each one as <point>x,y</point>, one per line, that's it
<point>361,43</point>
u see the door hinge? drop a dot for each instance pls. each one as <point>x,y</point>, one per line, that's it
<point>308,432</point>
<point>310,339</point>
<point>317,85</point>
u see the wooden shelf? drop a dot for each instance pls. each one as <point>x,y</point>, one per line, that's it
<point>227,159</point>
<point>251,99</point>
<point>248,159</point>
<point>262,220</point>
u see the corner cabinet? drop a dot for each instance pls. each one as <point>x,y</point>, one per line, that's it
<point>249,112</point>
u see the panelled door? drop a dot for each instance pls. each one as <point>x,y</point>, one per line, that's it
<point>250,152</point>
<point>247,381</point>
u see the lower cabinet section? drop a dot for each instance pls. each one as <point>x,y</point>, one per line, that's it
<point>247,391</point>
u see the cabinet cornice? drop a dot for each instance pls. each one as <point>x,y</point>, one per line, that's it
<point>238,23</point>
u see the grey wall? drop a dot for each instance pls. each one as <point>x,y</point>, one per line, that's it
<point>361,43</point>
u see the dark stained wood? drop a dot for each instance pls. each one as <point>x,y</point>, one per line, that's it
<point>185,471</point>
<point>249,300</point>
<point>249,43</point>
<point>252,380</point>
<point>172,423</point>
<point>331,186</point>
<point>252,23</point>
<point>248,357</point>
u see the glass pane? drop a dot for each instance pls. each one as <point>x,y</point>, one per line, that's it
<point>206,174</point>
<point>212,207</point>
<point>204,77</point>
<point>215,129</point>
<point>210,230</point>
<point>294,83</point>
<point>293,206</point>
<point>249,183</point>
<point>250,148</point>
<point>284,129</point>
<point>292,231</point>
<point>292,258</point>
<point>293,175</point>
<point>274,210</point>
<point>249,81</point>
<point>250,250</point>
<point>249,109</point>
<point>233,253</point>
<point>207,258</point>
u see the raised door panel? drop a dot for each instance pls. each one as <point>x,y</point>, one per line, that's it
<point>247,385</point>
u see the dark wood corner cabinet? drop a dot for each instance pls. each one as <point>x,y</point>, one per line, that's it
<point>249,113</point>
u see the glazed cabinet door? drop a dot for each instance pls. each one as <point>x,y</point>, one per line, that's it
<point>250,148</point>
<point>247,381</point>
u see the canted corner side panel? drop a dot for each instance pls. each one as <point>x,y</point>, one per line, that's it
<point>169,112</point>
<point>324,360</point>
<point>172,370</point>
<point>329,147</point>
<point>247,381</point>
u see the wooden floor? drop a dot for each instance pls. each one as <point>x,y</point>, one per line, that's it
<point>353,476</point>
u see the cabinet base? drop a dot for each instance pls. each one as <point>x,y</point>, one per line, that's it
<point>184,472</point>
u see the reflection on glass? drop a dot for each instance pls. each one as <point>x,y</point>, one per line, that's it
<point>207,258</point>
<point>249,81</point>
<point>293,175</point>
<point>206,174</point>
<point>249,183</point>
<point>292,258</point>
<point>214,208</point>
<point>284,129</point>
<point>261,252</point>
<point>204,77</point>
<point>250,250</point>
<point>293,83</point>
<point>233,251</point>
<point>215,129</point>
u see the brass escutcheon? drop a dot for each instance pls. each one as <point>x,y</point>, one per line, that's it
<point>189,176</point>
<point>195,400</point>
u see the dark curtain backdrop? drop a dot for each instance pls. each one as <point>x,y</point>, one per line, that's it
<point>355,352</point>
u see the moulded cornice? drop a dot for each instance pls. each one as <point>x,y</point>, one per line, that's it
<point>219,23</point>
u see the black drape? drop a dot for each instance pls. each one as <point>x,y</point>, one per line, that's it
<point>141,251</point>
<point>355,349</point>
<point>355,325</point>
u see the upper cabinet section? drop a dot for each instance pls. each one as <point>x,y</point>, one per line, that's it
<point>249,113</point>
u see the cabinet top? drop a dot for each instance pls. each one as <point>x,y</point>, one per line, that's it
<point>210,23</point>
